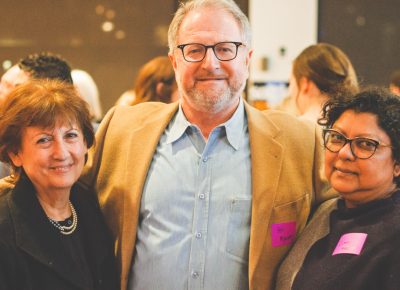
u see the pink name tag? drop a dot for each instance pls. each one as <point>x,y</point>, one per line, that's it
<point>351,243</point>
<point>283,234</point>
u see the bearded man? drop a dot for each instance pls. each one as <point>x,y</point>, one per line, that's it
<point>208,192</point>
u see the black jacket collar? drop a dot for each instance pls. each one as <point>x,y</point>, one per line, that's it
<point>36,236</point>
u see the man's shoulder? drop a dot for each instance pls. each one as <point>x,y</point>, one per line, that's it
<point>123,120</point>
<point>281,121</point>
<point>145,111</point>
<point>286,119</point>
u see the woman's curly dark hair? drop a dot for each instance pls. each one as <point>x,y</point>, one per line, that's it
<point>377,101</point>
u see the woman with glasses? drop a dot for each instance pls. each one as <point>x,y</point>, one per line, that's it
<point>353,242</point>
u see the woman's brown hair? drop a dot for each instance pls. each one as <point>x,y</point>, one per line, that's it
<point>328,67</point>
<point>158,70</point>
<point>41,103</point>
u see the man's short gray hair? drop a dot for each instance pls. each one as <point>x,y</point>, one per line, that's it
<point>227,5</point>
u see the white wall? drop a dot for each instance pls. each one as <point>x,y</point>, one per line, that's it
<point>276,24</point>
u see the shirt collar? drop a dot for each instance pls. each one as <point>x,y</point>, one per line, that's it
<point>234,127</point>
<point>178,126</point>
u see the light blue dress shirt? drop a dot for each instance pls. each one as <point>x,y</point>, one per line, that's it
<point>194,223</point>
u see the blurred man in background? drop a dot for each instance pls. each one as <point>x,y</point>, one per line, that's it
<point>43,65</point>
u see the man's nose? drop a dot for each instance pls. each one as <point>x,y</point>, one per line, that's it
<point>210,59</point>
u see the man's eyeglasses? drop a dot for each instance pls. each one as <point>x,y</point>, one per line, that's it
<point>224,51</point>
<point>362,148</point>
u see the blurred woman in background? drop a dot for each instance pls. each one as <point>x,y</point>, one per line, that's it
<point>320,72</point>
<point>154,83</point>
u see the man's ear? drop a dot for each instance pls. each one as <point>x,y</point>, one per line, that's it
<point>248,57</point>
<point>172,59</point>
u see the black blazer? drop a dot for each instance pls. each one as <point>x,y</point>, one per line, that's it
<point>31,253</point>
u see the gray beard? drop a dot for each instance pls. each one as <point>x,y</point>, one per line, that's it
<point>214,101</point>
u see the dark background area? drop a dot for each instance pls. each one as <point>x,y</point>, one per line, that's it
<point>367,30</point>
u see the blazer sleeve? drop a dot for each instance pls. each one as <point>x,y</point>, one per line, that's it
<point>322,189</point>
<point>92,166</point>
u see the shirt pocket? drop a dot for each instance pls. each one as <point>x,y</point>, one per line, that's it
<point>238,232</point>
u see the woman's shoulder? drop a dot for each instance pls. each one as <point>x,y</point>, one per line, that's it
<point>6,225</point>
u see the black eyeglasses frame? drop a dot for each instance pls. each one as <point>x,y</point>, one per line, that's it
<point>350,141</point>
<point>236,43</point>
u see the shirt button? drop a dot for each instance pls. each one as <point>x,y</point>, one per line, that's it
<point>195,274</point>
<point>202,195</point>
<point>198,235</point>
<point>205,159</point>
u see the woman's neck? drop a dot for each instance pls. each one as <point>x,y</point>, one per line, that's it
<point>55,205</point>
<point>313,108</point>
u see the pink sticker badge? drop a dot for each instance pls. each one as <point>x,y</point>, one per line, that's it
<point>283,234</point>
<point>351,243</point>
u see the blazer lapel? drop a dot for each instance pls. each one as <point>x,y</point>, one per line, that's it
<point>143,143</point>
<point>35,235</point>
<point>266,160</point>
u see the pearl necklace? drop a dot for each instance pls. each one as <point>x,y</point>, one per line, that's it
<point>67,230</point>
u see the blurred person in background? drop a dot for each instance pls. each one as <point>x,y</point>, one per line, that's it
<point>44,65</point>
<point>52,233</point>
<point>320,72</point>
<point>394,85</point>
<point>154,83</point>
<point>88,90</point>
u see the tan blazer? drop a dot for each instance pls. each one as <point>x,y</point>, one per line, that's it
<point>287,180</point>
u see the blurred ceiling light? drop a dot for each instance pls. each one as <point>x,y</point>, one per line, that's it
<point>76,42</point>
<point>350,9</point>
<point>15,42</point>
<point>161,34</point>
<point>361,21</point>
<point>107,26</point>
<point>110,14</point>
<point>100,9</point>
<point>120,34</point>
<point>7,64</point>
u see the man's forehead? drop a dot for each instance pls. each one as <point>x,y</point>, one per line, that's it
<point>206,22</point>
